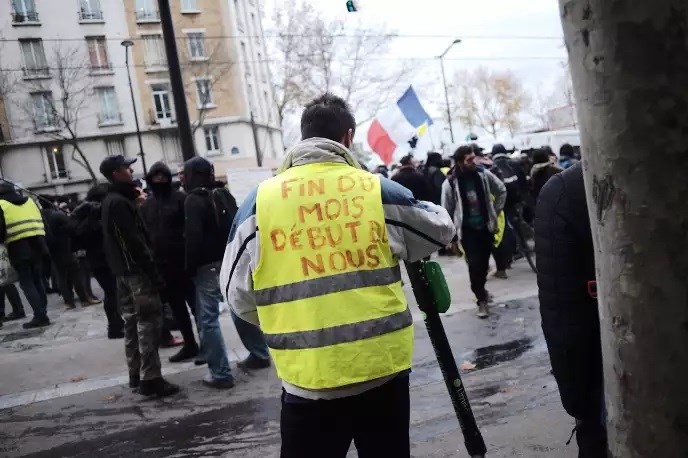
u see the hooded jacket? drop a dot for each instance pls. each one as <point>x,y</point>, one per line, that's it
<point>414,230</point>
<point>493,189</point>
<point>125,239</point>
<point>204,242</point>
<point>433,174</point>
<point>30,248</point>
<point>163,215</point>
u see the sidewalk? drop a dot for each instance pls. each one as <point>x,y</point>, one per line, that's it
<point>74,355</point>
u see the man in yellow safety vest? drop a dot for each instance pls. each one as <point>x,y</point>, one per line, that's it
<point>23,231</point>
<point>314,258</point>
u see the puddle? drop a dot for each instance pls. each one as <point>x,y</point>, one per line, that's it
<point>496,354</point>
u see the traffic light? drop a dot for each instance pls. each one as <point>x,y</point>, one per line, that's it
<point>350,7</point>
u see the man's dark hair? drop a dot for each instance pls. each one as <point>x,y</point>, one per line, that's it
<point>566,150</point>
<point>329,117</point>
<point>463,151</point>
<point>540,156</point>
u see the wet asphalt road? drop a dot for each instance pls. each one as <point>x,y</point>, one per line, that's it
<point>511,383</point>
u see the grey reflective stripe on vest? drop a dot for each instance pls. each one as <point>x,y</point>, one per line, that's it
<point>340,334</point>
<point>26,221</point>
<point>326,285</point>
<point>30,229</point>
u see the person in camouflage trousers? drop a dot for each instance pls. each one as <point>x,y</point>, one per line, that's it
<point>139,285</point>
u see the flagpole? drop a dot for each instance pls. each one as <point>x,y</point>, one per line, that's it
<point>432,139</point>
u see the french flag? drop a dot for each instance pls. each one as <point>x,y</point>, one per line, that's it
<point>397,125</point>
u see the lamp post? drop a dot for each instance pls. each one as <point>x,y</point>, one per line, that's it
<point>444,81</point>
<point>127,44</point>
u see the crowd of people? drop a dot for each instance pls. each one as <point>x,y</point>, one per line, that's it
<point>331,234</point>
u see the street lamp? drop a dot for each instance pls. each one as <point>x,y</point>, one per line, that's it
<point>127,44</point>
<point>444,81</point>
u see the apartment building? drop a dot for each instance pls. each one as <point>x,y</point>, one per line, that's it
<point>74,48</point>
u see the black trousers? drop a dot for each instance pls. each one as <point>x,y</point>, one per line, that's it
<point>69,278</point>
<point>504,253</point>
<point>179,289</point>
<point>591,436</point>
<point>108,282</point>
<point>477,245</point>
<point>13,296</point>
<point>377,421</point>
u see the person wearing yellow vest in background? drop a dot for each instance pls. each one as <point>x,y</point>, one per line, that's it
<point>313,258</point>
<point>23,232</point>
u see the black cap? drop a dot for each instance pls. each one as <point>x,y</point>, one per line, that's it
<point>477,149</point>
<point>112,163</point>
<point>498,148</point>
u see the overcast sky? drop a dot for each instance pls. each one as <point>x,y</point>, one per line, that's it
<point>538,62</point>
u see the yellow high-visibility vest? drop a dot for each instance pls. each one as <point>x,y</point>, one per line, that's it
<point>22,221</point>
<point>328,288</point>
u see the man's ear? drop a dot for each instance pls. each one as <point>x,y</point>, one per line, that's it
<point>348,139</point>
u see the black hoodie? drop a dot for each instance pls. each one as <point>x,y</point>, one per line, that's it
<point>433,174</point>
<point>30,248</point>
<point>163,214</point>
<point>204,242</point>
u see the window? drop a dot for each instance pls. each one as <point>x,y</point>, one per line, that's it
<point>161,102</point>
<point>24,11</point>
<point>109,112</point>
<point>154,50</point>
<point>43,114</point>
<point>240,23</point>
<point>249,89</point>
<point>267,105</point>
<point>35,63</point>
<point>56,162</point>
<point>189,5</point>
<point>90,10</point>
<point>261,68</point>
<point>235,151</point>
<point>204,92</point>
<point>196,45</point>
<point>212,140</point>
<point>146,11</point>
<point>97,53</point>
<point>254,24</point>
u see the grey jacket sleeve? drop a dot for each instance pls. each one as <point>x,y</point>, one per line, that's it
<point>452,204</point>
<point>498,190</point>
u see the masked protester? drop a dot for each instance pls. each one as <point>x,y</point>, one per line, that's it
<point>163,214</point>
<point>542,171</point>
<point>139,285</point>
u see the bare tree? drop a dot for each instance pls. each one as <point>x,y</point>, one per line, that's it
<point>317,55</point>
<point>491,100</point>
<point>211,70</point>
<point>66,107</point>
<point>628,62</point>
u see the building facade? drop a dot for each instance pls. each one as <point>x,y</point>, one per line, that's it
<point>66,97</point>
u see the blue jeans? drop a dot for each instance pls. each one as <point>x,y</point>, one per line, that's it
<point>252,337</point>
<point>208,298</point>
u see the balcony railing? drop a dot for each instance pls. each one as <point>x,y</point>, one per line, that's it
<point>90,15</point>
<point>156,64</point>
<point>36,72</point>
<point>25,17</point>
<point>109,118</point>
<point>45,124</point>
<point>147,16</point>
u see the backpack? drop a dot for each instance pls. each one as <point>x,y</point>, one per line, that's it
<point>506,171</point>
<point>225,210</point>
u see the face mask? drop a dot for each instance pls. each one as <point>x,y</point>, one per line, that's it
<point>160,188</point>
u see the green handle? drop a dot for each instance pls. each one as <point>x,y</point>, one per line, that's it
<point>438,285</point>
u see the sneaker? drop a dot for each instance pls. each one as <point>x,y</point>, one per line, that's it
<point>483,311</point>
<point>36,323</point>
<point>218,384</point>
<point>501,274</point>
<point>69,306</point>
<point>200,361</point>
<point>173,342</point>
<point>185,353</point>
<point>134,381</point>
<point>91,301</point>
<point>15,316</point>
<point>253,362</point>
<point>158,387</point>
